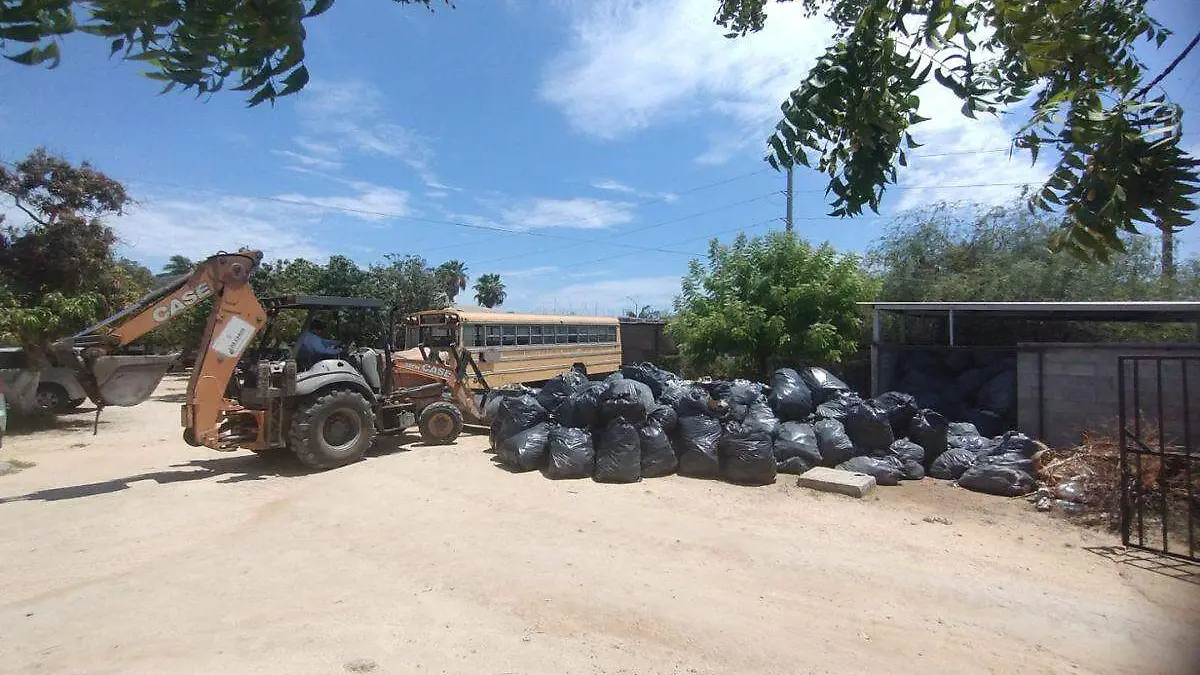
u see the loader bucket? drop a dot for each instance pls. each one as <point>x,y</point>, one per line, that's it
<point>129,380</point>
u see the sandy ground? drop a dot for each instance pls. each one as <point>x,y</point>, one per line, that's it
<point>130,552</point>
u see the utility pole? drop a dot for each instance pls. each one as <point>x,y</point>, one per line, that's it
<point>789,200</point>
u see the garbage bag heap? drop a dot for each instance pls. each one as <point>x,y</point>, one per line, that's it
<point>646,422</point>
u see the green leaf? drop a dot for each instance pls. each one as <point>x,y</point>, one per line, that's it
<point>780,151</point>
<point>319,7</point>
<point>267,92</point>
<point>28,32</point>
<point>117,45</point>
<point>295,82</point>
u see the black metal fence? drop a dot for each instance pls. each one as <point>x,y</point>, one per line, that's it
<point>1159,422</point>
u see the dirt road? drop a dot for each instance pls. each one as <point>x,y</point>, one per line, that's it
<point>130,552</point>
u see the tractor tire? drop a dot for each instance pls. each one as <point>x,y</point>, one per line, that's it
<point>331,429</point>
<point>53,398</point>
<point>440,423</point>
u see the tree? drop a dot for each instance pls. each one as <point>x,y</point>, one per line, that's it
<point>192,45</point>
<point>769,301</point>
<point>57,270</point>
<point>1120,162</point>
<point>408,284</point>
<point>956,252</point>
<point>452,275</point>
<point>489,290</point>
<point>177,265</point>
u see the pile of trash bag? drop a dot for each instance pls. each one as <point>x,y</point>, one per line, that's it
<point>647,422</point>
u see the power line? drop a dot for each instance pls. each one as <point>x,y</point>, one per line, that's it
<point>1170,66</point>
<point>684,241</point>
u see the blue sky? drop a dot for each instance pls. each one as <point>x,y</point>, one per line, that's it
<point>612,138</point>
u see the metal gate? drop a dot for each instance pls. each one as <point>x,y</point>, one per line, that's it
<point>1159,421</point>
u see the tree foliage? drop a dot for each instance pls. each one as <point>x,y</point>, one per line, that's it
<point>769,301</point>
<point>489,290</point>
<point>452,275</point>
<point>956,252</point>
<point>183,43</point>
<point>58,271</point>
<point>1120,162</point>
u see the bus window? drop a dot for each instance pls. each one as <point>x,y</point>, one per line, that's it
<point>523,335</point>
<point>493,336</point>
<point>510,335</point>
<point>473,335</point>
<point>535,335</point>
<point>612,333</point>
<point>561,331</point>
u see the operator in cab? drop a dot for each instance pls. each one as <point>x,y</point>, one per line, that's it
<point>312,346</point>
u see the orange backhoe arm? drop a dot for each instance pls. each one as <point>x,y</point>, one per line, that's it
<point>235,318</point>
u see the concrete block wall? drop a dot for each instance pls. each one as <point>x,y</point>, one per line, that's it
<point>1078,391</point>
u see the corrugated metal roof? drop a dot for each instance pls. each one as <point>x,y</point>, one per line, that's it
<point>1136,311</point>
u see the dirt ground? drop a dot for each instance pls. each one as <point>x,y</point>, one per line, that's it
<point>130,552</point>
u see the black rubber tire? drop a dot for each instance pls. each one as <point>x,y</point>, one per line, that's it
<point>58,400</point>
<point>308,433</point>
<point>440,423</point>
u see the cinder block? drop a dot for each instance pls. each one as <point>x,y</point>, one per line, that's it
<point>825,479</point>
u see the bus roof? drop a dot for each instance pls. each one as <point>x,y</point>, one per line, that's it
<point>485,316</point>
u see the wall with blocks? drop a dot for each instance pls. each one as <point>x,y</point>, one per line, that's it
<point>1065,390</point>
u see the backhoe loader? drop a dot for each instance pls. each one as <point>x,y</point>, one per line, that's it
<point>254,396</point>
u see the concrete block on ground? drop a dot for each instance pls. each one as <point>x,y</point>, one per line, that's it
<point>825,479</point>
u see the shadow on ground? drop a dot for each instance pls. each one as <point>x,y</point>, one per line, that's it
<point>1176,568</point>
<point>237,468</point>
<point>77,421</point>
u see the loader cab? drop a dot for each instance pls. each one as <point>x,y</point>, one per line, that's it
<point>358,325</point>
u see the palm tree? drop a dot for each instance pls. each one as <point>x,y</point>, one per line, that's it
<point>452,276</point>
<point>177,265</point>
<point>489,290</point>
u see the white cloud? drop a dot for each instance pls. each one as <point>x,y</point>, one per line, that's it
<point>611,185</point>
<point>528,272</point>
<point>579,212</point>
<point>605,297</point>
<point>352,117</point>
<point>964,150</point>
<point>309,161</point>
<point>369,202</point>
<point>160,227</point>
<point>632,64</point>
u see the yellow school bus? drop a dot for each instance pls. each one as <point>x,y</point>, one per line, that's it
<point>522,348</point>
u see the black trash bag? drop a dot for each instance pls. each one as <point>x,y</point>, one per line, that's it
<point>868,427</point>
<point>664,416</point>
<point>694,401</point>
<point>559,388</point>
<point>582,410</point>
<point>999,394</point>
<point>747,455</point>
<point>928,429</point>
<point>959,360</point>
<point>759,416</point>
<point>962,429</point>
<point>745,392</point>
<point>966,385</point>
<point>976,444</point>
<point>718,389</point>
<point>618,453</point>
<point>994,479</point>
<point>989,423</point>
<point>952,463</point>
<point>658,457</point>
<point>674,392</point>
<point>696,446</point>
<point>626,399</point>
<point>518,413</point>
<point>886,470</point>
<point>613,377</point>
<point>796,449</point>
<point>571,453</point>
<point>1012,460</point>
<point>494,397</point>
<point>835,446</point>
<point>650,375</point>
<point>790,398</point>
<point>822,383</point>
<point>838,405</point>
<point>1018,443</point>
<point>912,459</point>
<point>526,449</point>
<point>899,408</point>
